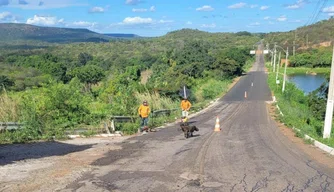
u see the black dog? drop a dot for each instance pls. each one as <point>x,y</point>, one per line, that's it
<point>187,129</point>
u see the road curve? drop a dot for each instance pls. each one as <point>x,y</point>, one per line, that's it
<point>249,154</point>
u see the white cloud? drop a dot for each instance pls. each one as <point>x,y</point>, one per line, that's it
<point>266,18</point>
<point>137,20</point>
<point>139,10</point>
<point>271,23</point>
<point>152,9</point>
<point>264,7</point>
<point>296,5</point>
<point>282,18</point>
<point>97,10</point>
<point>142,23</point>
<point>213,25</point>
<point>5,15</point>
<point>166,21</point>
<point>253,6</point>
<point>237,5</point>
<point>189,23</point>
<point>205,8</point>
<point>8,17</point>
<point>296,21</point>
<point>84,24</point>
<point>255,24</point>
<point>328,9</point>
<point>132,2</point>
<point>44,20</point>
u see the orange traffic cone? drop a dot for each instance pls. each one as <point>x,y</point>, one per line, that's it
<point>217,126</point>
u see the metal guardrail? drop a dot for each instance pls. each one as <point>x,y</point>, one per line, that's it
<point>123,118</point>
<point>163,112</point>
<point>10,125</point>
<point>113,119</point>
<point>110,124</point>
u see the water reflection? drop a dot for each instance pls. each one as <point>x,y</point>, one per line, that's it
<point>306,82</point>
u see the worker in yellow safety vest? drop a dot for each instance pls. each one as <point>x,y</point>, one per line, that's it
<point>185,106</point>
<point>144,111</point>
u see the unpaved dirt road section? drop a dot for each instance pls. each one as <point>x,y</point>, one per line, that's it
<point>249,154</point>
<point>49,166</point>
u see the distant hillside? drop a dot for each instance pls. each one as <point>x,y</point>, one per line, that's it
<point>318,34</point>
<point>10,32</point>
<point>121,35</point>
<point>241,39</point>
<point>195,33</point>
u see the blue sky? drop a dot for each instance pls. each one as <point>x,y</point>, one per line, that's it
<point>157,17</point>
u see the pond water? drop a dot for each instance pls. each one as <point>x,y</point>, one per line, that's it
<point>306,82</point>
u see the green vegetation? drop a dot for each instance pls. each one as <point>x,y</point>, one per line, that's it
<point>305,112</point>
<point>321,57</point>
<point>14,36</point>
<point>304,70</point>
<point>23,33</point>
<point>57,89</point>
<point>317,33</point>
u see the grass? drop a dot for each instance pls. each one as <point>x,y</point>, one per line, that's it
<point>8,108</point>
<point>302,70</point>
<point>248,65</point>
<point>209,90</point>
<point>308,141</point>
<point>156,101</point>
<point>294,105</point>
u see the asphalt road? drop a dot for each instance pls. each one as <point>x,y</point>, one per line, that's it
<point>249,154</point>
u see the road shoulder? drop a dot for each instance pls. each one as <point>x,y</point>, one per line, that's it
<point>312,151</point>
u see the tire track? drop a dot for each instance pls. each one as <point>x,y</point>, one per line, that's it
<point>200,161</point>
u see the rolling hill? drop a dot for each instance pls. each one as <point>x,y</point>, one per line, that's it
<point>10,32</point>
<point>318,34</point>
<point>315,35</point>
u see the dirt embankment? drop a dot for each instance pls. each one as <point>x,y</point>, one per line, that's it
<point>50,166</point>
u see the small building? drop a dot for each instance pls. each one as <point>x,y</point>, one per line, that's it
<point>283,62</point>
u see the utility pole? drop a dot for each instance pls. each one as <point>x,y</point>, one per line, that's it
<point>286,63</point>
<point>294,48</point>
<point>330,104</point>
<point>279,63</point>
<point>274,57</point>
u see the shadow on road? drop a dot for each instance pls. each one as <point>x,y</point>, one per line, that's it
<point>18,152</point>
<point>197,135</point>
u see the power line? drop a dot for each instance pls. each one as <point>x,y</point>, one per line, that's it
<point>315,16</point>
<point>315,11</point>
<point>323,6</point>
